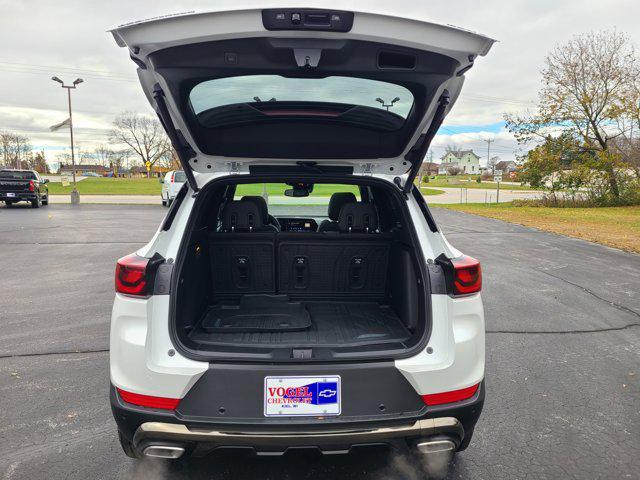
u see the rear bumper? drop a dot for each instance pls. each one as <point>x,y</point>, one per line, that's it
<point>150,428</point>
<point>19,197</point>
<point>152,434</point>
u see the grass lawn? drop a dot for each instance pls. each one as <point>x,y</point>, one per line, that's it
<point>431,191</point>
<point>461,182</point>
<point>617,227</point>
<point>319,190</point>
<point>110,186</point>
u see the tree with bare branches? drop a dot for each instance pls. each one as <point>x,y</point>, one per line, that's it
<point>16,150</point>
<point>585,94</point>
<point>142,134</point>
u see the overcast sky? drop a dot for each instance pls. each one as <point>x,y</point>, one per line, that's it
<point>68,38</point>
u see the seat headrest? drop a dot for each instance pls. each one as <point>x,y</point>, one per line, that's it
<point>239,216</point>
<point>261,203</point>
<point>358,217</point>
<point>337,201</point>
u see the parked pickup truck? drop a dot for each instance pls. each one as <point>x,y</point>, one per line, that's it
<point>23,186</point>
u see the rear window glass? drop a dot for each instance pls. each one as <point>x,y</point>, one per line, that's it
<point>19,175</point>
<point>265,88</point>
<point>315,205</point>
<point>179,177</point>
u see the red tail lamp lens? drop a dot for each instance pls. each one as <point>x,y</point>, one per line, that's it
<point>467,275</point>
<point>149,401</point>
<point>31,186</point>
<point>131,276</point>
<point>450,397</point>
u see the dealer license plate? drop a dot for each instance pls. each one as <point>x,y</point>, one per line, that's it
<point>302,396</point>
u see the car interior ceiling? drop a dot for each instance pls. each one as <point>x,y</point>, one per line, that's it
<point>250,279</point>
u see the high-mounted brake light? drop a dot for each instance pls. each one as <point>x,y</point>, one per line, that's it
<point>467,276</point>
<point>131,275</point>
<point>148,401</point>
<point>32,187</point>
<point>450,397</point>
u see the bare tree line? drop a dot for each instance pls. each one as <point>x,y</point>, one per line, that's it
<point>134,140</point>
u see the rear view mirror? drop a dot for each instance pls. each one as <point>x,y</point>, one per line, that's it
<point>296,192</point>
<point>299,190</point>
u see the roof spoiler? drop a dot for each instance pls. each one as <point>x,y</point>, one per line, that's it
<point>417,153</point>
<point>179,143</point>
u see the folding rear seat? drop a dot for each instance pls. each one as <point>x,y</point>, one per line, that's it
<point>352,263</point>
<point>242,253</point>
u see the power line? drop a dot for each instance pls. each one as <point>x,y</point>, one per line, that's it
<point>70,69</point>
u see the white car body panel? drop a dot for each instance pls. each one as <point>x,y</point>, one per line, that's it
<point>139,356</point>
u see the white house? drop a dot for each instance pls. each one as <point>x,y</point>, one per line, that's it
<point>467,161</point>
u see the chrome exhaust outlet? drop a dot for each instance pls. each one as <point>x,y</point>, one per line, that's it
<point>440,445</point>
<point>163,451</point>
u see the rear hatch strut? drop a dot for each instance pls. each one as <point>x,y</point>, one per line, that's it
<point>180,145</point>
<point>417,153</point>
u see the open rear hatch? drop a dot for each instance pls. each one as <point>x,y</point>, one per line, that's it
<point>236,89</point>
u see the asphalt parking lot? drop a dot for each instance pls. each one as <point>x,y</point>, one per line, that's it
<point>563,356</point>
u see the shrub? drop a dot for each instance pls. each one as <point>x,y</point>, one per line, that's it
<point>478,179</point>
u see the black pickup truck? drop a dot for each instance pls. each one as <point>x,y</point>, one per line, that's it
<point>23,186</point>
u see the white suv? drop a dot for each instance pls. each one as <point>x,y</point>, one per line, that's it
<point>335,314</point>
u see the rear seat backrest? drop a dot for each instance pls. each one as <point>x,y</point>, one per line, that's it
<point>337,200</point>
<point>239,216</point>
<point>349,265</point>
<point>242,255</point>
<point>358,217</point>
<point>333,265</point>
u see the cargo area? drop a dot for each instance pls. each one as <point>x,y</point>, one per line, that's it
<point>252,284</point>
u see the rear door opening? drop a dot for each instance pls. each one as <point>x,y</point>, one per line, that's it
<point>333,275</point>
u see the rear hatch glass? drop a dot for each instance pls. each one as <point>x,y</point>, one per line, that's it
<point>269,95</point>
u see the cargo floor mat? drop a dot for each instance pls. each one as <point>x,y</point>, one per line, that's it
<point>257,313</point>
<point>331,324</point>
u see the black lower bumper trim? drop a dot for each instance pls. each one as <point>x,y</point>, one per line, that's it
<point>144,427</point>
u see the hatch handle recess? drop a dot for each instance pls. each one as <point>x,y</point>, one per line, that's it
<point>307,57</point>
<point>181,149</point>
<point>419,150</point>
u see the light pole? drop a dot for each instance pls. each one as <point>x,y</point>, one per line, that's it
<point>75,196</point>
<point>387,105</point>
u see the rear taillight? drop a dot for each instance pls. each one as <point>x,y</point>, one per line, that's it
<point>172,176</point>
<point>149,401</point>
<point>467,275</point>
<point>450,397</point>
<point>32,187</point>
<point>131,275</point>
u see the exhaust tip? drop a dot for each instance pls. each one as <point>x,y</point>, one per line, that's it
<point>163,451</point>
<point>436,446</point>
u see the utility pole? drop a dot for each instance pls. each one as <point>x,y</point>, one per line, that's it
<point>75,195</point>
<point>489,142</point>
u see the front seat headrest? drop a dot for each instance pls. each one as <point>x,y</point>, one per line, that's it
<point>261,203</point>
<point>358,217</point>
<point>337,201</point>
<point>239,216</point>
